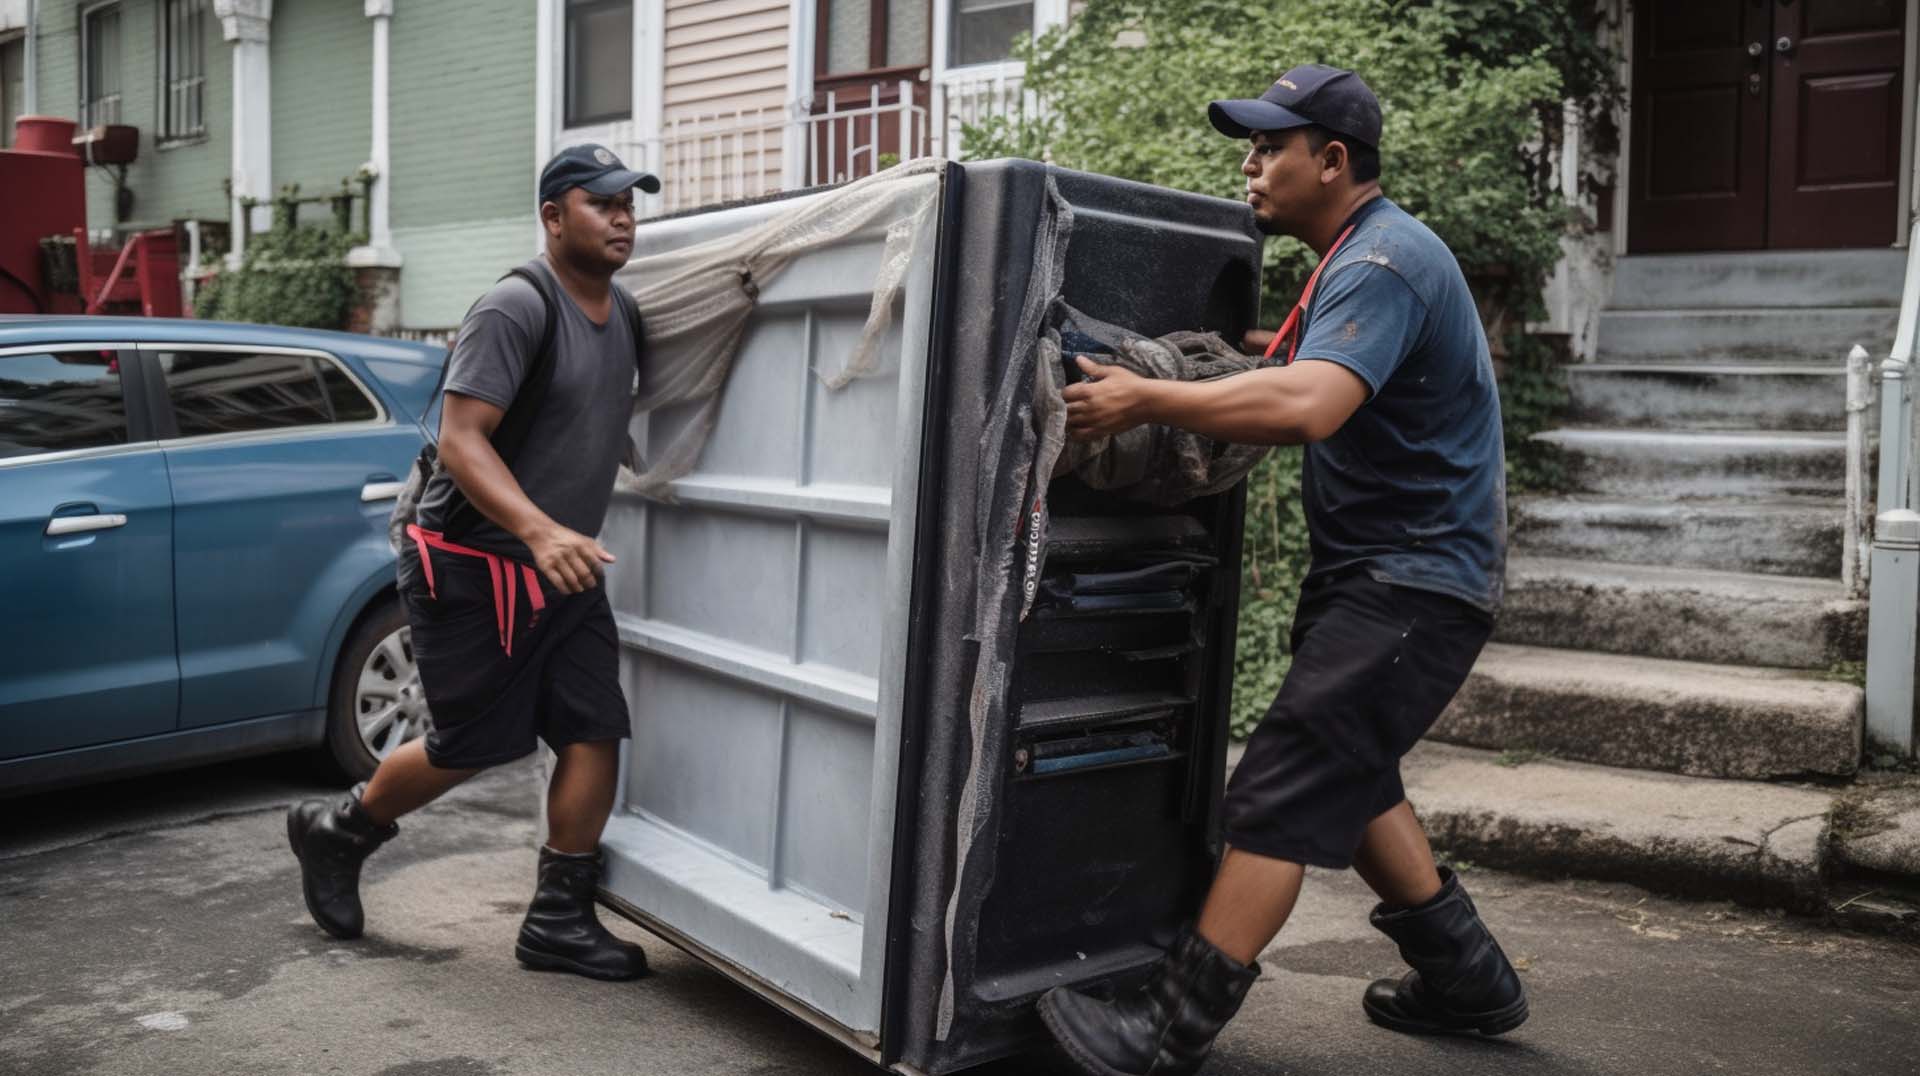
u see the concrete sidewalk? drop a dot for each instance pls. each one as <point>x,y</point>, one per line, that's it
<point>133,948</point>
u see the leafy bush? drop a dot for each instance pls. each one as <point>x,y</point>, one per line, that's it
<point>1471,92</point>
<point>289,276</point>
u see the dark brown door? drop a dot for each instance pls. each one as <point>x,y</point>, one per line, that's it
<point>1699,158</point>
<point>1765,124</point>
<point>1836,122</point>
<point>864,50</point>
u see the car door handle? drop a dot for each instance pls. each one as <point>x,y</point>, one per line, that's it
<point>381,491</point>
<point>60,525</point>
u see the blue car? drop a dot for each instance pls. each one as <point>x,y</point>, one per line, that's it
<point>193,552</point>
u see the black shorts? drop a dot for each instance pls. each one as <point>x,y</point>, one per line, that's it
<point>1373,667</point>
<point>561,683</point>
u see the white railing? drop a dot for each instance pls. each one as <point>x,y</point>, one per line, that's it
<point>1893,604</point>
<point>749,153</point>
<point>970,99</point>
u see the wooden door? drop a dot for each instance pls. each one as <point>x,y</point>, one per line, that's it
<point>864,51</point>
<point>1836,122</point>
<point>1699,160</point>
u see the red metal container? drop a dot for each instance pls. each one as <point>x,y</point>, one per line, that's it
<point>44,134</point>
<point>43,186</point>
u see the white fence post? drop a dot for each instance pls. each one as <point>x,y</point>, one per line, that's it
<point>1893,595</point>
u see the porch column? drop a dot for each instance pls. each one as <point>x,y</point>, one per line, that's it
<point>376,265</point>
<point>244,24</point>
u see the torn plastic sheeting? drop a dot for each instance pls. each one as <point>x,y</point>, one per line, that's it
<point>696,301</point>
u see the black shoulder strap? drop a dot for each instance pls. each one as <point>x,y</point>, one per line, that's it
<point>625,300</point>
<point>511,434</point>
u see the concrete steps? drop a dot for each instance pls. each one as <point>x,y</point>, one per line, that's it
<point>1774,278</point>
<point>1645,713</point>
<point>1764,845</point>
<point>1775,537</point>
<point>1709,397</point>
<point>1763,464</point>
<point>1727,618</point>
<point>1744,335</point>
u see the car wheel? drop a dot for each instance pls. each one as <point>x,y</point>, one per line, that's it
<point>377,703</point>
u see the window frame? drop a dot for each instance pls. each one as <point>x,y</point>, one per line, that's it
<point>951,61</point>
<point>568,119</point>
<point>878,22</point>
<point>166,422</point>
<point>135,396</point>
<point>169,132</point>
<point>89,55</point>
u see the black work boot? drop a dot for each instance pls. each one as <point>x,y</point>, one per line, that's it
<point>331,839</point>
<point>1166,1027</point>
<point>1461,983</point>
<point>562,932</point>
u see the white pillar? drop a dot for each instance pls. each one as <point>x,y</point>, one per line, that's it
<point>545,98</point>
<point>31,106</point>
<point>245,23</point>
<point>379,250</point>
<point>649,83</point>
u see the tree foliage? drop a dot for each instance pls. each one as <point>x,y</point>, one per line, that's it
<point>1471,93</point>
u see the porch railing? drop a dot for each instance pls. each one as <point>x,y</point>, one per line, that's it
<point>1893,604</point>
<point>749,153</point>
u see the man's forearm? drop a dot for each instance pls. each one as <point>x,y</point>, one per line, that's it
<point>486,481</point>
<point>1254,408</point>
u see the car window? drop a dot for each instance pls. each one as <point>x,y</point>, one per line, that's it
<point>241,392</point>
<point>60,400</point>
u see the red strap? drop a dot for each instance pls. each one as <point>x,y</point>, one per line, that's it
<point>1289,329</point>
<point>498,567</point>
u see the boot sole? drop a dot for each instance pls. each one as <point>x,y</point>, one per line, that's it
<point>1487,1024</point>
<point>293,842</point>
<point>1070,1046</point>
<point>538,961</point>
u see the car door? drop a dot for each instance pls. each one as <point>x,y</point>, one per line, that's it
<point>86,549</point>
<point>284,464</point>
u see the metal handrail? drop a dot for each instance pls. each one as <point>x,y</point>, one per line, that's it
<point>1893,601</point>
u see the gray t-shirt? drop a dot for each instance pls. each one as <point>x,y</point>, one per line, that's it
<point>567,463</point>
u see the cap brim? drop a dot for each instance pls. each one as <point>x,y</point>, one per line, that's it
<point>624,179</point>
<point>1239,119</point>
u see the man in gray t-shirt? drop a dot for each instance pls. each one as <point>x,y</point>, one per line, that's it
<point>511,629</point>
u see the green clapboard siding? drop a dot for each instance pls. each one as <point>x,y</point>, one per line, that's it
<point>448,266</point>
<point>174,182</point>
<point>322,71</point>
<point>462,152</point>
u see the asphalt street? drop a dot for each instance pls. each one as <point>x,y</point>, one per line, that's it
<point>156,927</point>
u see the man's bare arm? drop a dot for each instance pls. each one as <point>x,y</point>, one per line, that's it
<point>1277,405</point>
<point>571,561</point>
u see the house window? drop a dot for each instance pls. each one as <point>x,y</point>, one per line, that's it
<point>599,80</point>
<point>183,54</point>
<point>985,30</point>
<point>100,65</point>
<point>866,35</point>
<point>13,85</point>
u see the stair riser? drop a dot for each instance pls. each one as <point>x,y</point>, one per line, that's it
<point>1690,400</point>
<point>1699,737</point>
<point>1760,336</point>
<point>1680,470</point>
<point>1789,544</point>
<point>1683,625</point>
<point>1773,279</point>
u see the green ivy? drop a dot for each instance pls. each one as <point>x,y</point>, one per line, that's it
<point>1472,94</point>
<point>289,276</point>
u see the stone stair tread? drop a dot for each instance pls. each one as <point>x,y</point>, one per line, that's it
<point>1665,678</point>
<point>1698,718</point>
<point>1758,508</point>
<point>1759,843</point>
<point>1775,369</point>
<point>1667,578</point>
<point>1740,440</point>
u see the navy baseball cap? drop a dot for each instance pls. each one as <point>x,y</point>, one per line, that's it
<point>1311,93</point>
<point>593,167</point>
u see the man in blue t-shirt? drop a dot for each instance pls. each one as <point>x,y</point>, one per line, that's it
<point>1382,372</point>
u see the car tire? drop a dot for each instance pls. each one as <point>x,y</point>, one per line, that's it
<point>376,703</point>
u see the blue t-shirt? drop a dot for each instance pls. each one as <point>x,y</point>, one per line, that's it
<point>1413,486</point>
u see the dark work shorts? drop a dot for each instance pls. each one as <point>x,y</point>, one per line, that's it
<point>1373,667</point>
<point>561,684</point>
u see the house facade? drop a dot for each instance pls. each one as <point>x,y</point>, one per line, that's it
<point>240,98</point>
